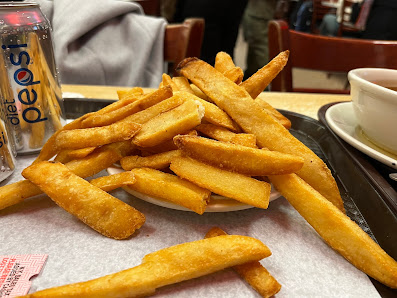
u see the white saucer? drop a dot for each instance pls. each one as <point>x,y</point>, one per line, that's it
<point>343,122</point>
<point>216,204</point>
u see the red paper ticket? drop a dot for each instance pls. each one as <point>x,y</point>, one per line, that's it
<point>15,272</point>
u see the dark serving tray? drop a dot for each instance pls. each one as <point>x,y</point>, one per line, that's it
<point>367,199</point>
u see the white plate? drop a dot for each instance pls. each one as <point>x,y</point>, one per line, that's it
<point>343,122</point>
<point>216,204</point>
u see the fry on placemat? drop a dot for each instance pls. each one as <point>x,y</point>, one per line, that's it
<point>167,266</point>
<point>96,208</point>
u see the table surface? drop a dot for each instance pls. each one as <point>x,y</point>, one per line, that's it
<point>304,103</point>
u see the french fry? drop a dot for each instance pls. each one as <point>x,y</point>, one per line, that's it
<point>92,164</point>
<point>96,208</point>
<point>183,84</point>
<point>167,81</point>
<point>262,78</point>
<point>138,105</point>
<point>235,74</point>
<point>132,93</point>
<point>253,272</point>
<point>231,185</point>
<point>284,121</point>
<point>237,158</point>
<point>223,62</point>
<point>167,266</point>
<point>199,93</point>
<point>270,134</point>
<point>96,136</point>
<point>67,155</point>
<point>111,182</point>
<point>166,125</point>
<point>213,114</point>
<point>337,229</point>
<point>157,161</point>
<point>81,153</point>
<point>165,146</point>
<point>170,188</point>
<point>155,110</point>
<point>63,156</point>
<point>225,135</point>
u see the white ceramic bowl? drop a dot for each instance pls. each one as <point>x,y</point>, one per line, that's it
<point>375,106</point>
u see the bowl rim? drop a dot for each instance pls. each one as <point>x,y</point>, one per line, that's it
<point>353,75</point>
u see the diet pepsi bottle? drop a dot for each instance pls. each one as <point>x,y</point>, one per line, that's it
<point>29,88</point>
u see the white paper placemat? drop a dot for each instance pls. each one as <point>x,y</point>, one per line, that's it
<point>301,261</point>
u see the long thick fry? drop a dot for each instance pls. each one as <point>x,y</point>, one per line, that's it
<point>237,158</point>
<point>96,208</point>
<point>231,185</point>
<point>253,272</point>
<point>155,110</point>
<point>337,229</point>
<point>170,188</point>
<point>140,104</point>
<point>156,161</point>
<point>225,135</point>
<point>167,266</point>
<point>111,182</point>
<point>215,115</point>
<point>262,78</point>
<point>92,164</point>
<point>236,101</point>
<point>96,136</point>
<point>167,125</point>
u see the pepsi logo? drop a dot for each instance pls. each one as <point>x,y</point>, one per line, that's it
<point>24,77</point>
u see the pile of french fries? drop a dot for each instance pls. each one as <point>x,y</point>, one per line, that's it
<point>200,133</point>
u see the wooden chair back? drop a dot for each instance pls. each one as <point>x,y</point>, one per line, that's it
<point>150,7</point>
<point>361,21</point>
<point>182,41</point>
<point>330,54</point>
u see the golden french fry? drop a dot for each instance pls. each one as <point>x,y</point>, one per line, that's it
<point>96,208</point>
<point>156,161</point>
<point>92,164</point>
<point>237,158</point>
<point>96,136</point>
<point>239,105</point>
<point>223,62</point>
<point>199,93</point>
<point>182,84</point>
<point>231,185</point>
<point>262,78</point>
<point>167,125</point>
<point>235,74</point>
<point>225,135</point>
<point>167,266</point>
<point>167,81</point>
<point>165,146</point>
<point>253,272</point>
<point>63,156</point>
<point>149,113</point>
<point>284,121</point>
<point>67,155</point>
<point>337,229</point>
<point>170,188</point>
<point>81,153</point>
<point>132,93</point>
<point>111,182</point>
<point>213,114</point>
<point>125,111</point>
